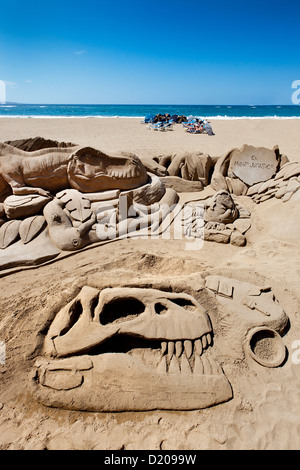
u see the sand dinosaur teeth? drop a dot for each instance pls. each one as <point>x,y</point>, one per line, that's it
<point>188,347</point>
<point>185,367</point>
<point>120,174</point>
<point>174,366</point>
<point>187,357</point>
<point>162,366</point>
<point>198,366</point>
<point>178,348</point>
<point>198,347</point>
<point>171,349</point>
<point>164,347</point>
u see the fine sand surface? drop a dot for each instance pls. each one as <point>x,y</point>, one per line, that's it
<point>265,409</point>
<point>127,134</point>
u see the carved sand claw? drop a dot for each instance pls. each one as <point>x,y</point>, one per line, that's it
<point>31,227</point>
<point>9,233</point>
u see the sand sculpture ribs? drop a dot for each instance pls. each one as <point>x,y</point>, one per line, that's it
<point>187,171</point>
<point>129,349</point>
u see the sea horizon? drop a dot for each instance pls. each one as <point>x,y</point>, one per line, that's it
<point>44,110</point>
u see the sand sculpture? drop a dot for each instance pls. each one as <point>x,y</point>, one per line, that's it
<point>103,349</point>
<point>241,168</point>
<point>238,171</point>
<point>51,170</point>
<point>221,209</point>
<point>60,195</point>
<point>252,321</point>
<point>119,341</point>
<point>218,218</point>
<point>283,186</point>
<point>64,198</point>
<point>194,168</point>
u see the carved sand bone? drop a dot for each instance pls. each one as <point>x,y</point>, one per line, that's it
<point>148,349</point>
<point>91,329</point>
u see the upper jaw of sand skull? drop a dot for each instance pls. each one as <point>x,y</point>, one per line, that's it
<point>90,170</point>
<point>120,319</point>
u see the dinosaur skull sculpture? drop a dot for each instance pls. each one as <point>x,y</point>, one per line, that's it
<point>90,170</point>
<point>130,349</point>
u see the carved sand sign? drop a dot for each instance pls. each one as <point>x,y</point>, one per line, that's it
<point>253,164</point>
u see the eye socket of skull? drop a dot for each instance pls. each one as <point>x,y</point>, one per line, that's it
<point>164,305</point>
<point>121,309</point>
<point>184,302</point>
<point>160,308</point>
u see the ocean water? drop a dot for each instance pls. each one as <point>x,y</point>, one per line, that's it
<point>140,111</point>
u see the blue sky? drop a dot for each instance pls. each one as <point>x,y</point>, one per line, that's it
<point>150,52</point>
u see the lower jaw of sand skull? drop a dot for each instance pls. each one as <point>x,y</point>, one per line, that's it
<point>141,364</point>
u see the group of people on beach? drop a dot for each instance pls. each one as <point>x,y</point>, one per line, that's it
<point>191,124</point>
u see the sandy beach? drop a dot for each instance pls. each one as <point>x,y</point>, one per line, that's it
<point>264,411</point>
<point>128,135</point>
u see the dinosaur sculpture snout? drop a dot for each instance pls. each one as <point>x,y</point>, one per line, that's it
<point>91,170</point>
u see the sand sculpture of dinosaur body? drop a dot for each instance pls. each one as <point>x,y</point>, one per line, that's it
<point>51,170</point>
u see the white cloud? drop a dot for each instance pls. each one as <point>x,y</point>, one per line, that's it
<point>28,80</point>
<point>10,84</point>
<point>80,52</point>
